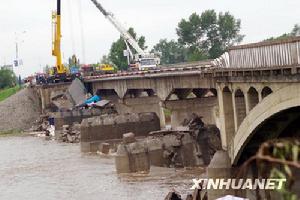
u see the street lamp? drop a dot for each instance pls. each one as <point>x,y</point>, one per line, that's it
<point>18,62</point>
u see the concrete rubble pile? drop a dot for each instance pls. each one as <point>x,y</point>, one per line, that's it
<point>73,117</point>
<point>207,136</point>
<point>62,112</point>
<point>71,134</point>
<point>40,124</point>
<point>42,127</point>
<point>60,102</point>
<point>70,116</point>
<point>192,147</point>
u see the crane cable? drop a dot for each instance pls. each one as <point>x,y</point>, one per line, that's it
<point>81,30</point>
<point>70,16</point>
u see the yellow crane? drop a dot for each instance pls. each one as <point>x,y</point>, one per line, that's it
<point>60,71</point>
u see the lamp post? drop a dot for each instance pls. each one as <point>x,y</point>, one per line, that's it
<point>18,62</point>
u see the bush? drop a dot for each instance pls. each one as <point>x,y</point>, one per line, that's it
<point>7,79</point>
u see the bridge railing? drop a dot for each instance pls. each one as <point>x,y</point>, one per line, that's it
<point>187,64</point>
<point>277,53</point>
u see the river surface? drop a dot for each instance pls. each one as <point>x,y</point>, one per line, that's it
<point>33,168</point>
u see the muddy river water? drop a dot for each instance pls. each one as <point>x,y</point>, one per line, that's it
<point>33,168</point>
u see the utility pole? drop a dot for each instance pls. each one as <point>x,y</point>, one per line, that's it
<point>18,61</point>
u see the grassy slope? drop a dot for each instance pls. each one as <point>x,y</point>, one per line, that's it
<point>8,92</point>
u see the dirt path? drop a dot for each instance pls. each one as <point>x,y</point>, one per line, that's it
<point>19,111</point>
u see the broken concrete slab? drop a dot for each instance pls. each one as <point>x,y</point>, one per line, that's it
<point>101,103</point>
<point>111,127</point>
<point>104,148</point>
<point>74,116</point>
<point>61,103</point>
<point>135,161</point>
<point>167,149</point>
<point>174,149</point>
<point>170,148</point>
<point>128,138</point>
<point>173,196</point>
<point>77,92</point>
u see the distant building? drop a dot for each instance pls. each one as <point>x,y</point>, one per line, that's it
<point>7,67</point>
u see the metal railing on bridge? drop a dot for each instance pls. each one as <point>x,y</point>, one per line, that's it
<point>278,53</point>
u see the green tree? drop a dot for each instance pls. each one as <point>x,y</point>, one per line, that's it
<point>170,51</point>
<point>116,55</point>
<point>105,60</point>
<point>7,78</point>
<point>295,32</point>
<point>208,35</point>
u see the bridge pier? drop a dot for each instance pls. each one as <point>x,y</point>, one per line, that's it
<point>219,167</point>
<point>47,91</point>
<point>226,109</point>
<point>142,104</point>
<point>182,109</point>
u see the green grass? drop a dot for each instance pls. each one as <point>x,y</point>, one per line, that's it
<point>5,93</point>
<point>10,133</point>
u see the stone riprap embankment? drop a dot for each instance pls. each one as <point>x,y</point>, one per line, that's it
<point>20,111</point>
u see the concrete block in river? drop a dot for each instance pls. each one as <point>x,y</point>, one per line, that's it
<point>132,157</point>
<point>173,148</point>
<point>128,138</point>
<point>110,127</point>
<point>161,148</point>
<point>104,148</point>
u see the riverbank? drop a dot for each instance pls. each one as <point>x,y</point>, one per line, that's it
<point>11,133</point>
<point>19,111</point>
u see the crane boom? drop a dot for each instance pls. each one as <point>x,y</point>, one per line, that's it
<point>56,16</point>
<point>126,36</point>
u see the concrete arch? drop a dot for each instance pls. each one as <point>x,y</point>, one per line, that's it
<point>240,106</point>
<point>182,93</point>
<point>253,97</point>
<point>276,102</point>
<point>266,91</point>
<point>226,87</point>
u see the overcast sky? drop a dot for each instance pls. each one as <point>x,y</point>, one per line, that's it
<point>88,34</point>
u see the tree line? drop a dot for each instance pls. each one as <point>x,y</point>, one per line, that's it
<point>294,32</point>
<point>199,37</point>
<point>204,36</point>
